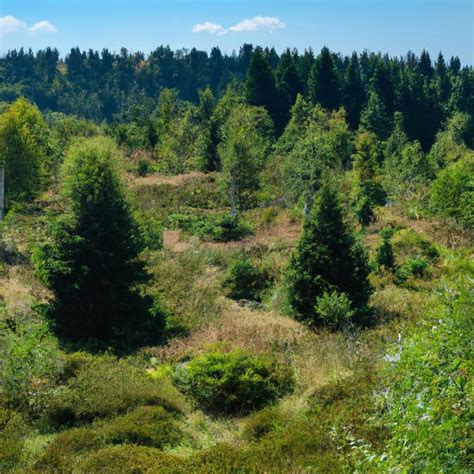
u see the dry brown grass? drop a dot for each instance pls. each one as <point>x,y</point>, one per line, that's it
<point>20,290</point>
<point>257,332</point>
<point>157,179</point>
<point>435,230</point>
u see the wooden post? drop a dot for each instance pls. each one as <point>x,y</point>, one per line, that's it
<point>2,190</point>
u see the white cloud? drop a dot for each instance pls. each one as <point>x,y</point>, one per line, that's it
<point>209,27</point>
<point>43,26</point>
<point>10,24</point>
<point>268,23</point>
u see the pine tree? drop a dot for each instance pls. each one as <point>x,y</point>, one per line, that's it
<point>374,117</point>
<point>425,64</point>
<point>288,84</point>
<point>353,92</point>
<point>92,263</point>
<point>367,188</point>
<point>260,88</point>
<point>323,82</point>
<point>208,133</point>
<point>327,259</point>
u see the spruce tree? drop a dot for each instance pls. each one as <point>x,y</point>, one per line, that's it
<point>323,81</point>
<point>353,96</point>
<point>327,259</point>
<point>91,262</point>
<point>367,187</point>
<point>260,88</point>
<point>288,85</point>
<point>374,117</point>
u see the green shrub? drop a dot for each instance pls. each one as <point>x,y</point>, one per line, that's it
<point>452,193</point>
<point>63,451</point>
<point>13,430</point>
<point>334,310</point>
<point>408,244</point>
<point>144,426</point>
<point>428,406</point>
<point>234,382</point>
<point>74,362</point>
<point>416,267</point>
<point>244,280</point>
<point>221,458</point>
<point>267,420</point>
<point>29,360</point>
<point>220,228</point>
<point>143,167</point>
<point>364,210</point>
<point>129,459</point>
<point>106,387</point>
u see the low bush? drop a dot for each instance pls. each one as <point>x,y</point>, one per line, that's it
<point>217,227</point>
<point>144,426</point>
<point>13,430</point>
<point>234,382</point>
<point>265,421</point>
<point>129,459</point>
<point>407,243</point>
<point>334,310</point>
<point>106,387</point>
<point>63,451</point>
<point>427,404</point>
<point>30,360</point>
<point>416,267</point>
<point>244,280</point>
<point>143,167</point>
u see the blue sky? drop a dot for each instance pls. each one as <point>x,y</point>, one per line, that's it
<point>392,26</point>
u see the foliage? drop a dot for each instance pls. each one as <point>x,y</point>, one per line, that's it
<point>128,458</point>
<point>61,453</point>
<point>217,227</point>
<point>244,151</point>
<point>12,437</point>
<point>313,142</point>
<point>143,426</point>
<point>29,358</point>
<point>452,192</point>
<point>416,267</point>
<point>98,237</point>
<point>429,385</point>
<point>327,258</point>
<point>105,387</point>
<point>22,151</point>
<point>334,310</point>
<point>368,191</point>
<point>243,279</point>
<point>233,382</point>
<point>265,421</point>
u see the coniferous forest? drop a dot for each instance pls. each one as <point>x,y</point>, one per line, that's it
<point>253,262</point>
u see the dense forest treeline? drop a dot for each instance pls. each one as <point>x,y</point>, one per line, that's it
<point>125,86</point>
